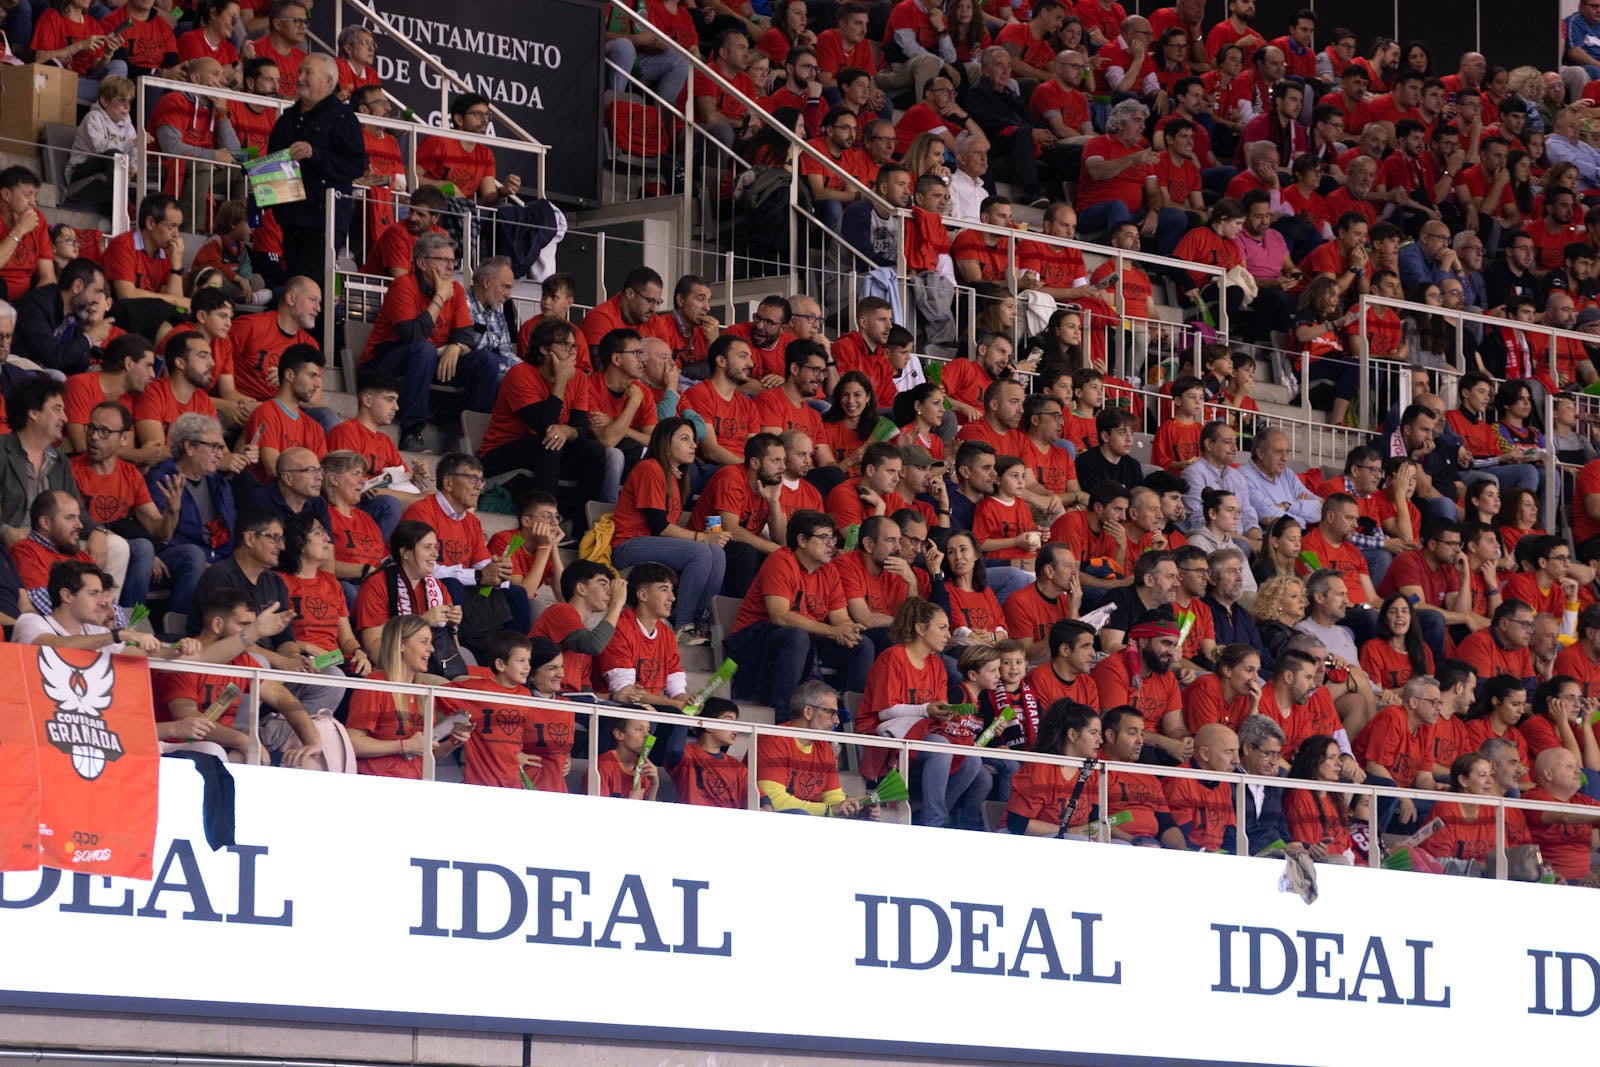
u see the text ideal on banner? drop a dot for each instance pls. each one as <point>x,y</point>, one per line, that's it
<point>79,762</point>
<point>625,899</point>
<point>539,63</point>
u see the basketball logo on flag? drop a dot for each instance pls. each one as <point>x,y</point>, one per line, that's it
<point>81,696</point>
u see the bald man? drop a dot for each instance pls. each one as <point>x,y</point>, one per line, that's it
<point>297,487</point>
<point>194,125</point>
<point>1204,810</point>
<point>1564,839</point>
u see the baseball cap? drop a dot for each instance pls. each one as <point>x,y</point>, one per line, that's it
<point>1588,315</point>
<point>916,456</point>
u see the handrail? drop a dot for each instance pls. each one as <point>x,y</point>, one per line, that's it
<point>431,694</point>
<point>1084,246</point>
<point>700,68</point>
<point>413,130</point>
<point>532,143</point>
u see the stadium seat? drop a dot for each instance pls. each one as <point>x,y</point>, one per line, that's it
<point>473,426</point>
<point>724,609</point>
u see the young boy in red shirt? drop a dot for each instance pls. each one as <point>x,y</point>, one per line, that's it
<point>619,767</point>
<point>706,775</point>
<point>1177,442</point>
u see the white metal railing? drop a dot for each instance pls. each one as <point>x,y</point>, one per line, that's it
<point>751,732</point>
<point>448,79</point>
<point>119,176</point>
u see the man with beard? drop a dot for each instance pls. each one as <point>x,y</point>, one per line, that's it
<point>876,578</point>
<point>729,415</point>
<point>766,333</point>
<point>1141,675</point>
<point>50,318</point>
<point>747,500</point>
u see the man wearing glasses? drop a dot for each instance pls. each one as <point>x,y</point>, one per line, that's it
<point>469,169</point>
<point>1396,749</point>
<point>829,193</point>
<point>1502,647</point>
<point>630,309</point>
<point>799,775</point>
<point>282,45</point>
<point>425,334</point>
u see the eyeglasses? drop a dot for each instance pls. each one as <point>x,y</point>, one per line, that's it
<point>776,324</point>
<point>827,712</point>
<point>470,479</point>
<point>215,446</point>
<point>275,538</point>
<point>830,539</point>
<point>294,21</point>
<point>477,113</point>
<point>815,320</point>
<point>300,470</point>
<point>103,431</point>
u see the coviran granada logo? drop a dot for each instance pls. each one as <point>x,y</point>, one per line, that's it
<point>81,696</point>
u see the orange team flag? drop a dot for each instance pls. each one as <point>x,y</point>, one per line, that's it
<point>19,791</point>
<point>96,753</point>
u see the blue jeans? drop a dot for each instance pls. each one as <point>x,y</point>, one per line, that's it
<point>960,793</point>
<point>1440,507</point>
<point>1006,580</point>
<point>415,365</point>
<point>385,511</point>
<point>791,655</point>
<point>1171,223</point>
<point>1378,560</point>
<point>327,418</point>
<point>185,562</point>
<point>700,567</point>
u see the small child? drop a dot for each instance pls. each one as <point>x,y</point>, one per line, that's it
<point>706,774</point>
<point>1088,397</point>
<point>106,130</point>
<point>908,371</point>
<point>1013,669</point>
<point>980,677</point>
<point>1003,523</point>
<point>1237,395</point>
<point>1177,442</point>
<point>616,767</point>
<point>1218,361</point>
<point>493,754</point>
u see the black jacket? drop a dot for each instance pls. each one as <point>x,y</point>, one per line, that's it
<point>338,157</point>
<point>39,318</point>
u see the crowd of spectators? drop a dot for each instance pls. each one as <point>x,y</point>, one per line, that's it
<point>951,549</point>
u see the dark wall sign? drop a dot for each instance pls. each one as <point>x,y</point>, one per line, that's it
<point>539,62</point>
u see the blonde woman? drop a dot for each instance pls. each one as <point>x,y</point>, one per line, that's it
<point>1280,603</point>
<point>387,729</point>
<point>925,155</point>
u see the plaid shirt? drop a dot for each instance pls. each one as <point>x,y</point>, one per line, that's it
<point>497,335</point>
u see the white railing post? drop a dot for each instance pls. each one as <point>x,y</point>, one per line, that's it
<point>690,167</point>
<point>1552,468</point>
<point>600,268</point>
<point>141,151</point>
<point>253,702</point>
<point>330,268</point>
<point>1500,871</point>
<point>119,194</point>
<point>594,754</point>
<point>1364,364</point>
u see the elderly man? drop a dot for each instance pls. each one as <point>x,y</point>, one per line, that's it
<point>1118,179</point>
<point>1565,840</point>
<point>1215,470</point>
<point>967,191</point>
<point>1033,151</point>
<point>322,135</point>
<point>1230,580</point>
<point>425,333</point>
<point>1395,749</point>
<point>1261,744</point>
<point>1271,488</point>
<point>1430,258</point>
<point>1565,145</point>
<point>494,315</point>
<point>296,488</point>
<point>205,517</point>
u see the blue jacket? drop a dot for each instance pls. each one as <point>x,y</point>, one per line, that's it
<point>191,531</point>
<point>1262,827</point>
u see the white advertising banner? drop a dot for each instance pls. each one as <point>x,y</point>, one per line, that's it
<point>375,901</point>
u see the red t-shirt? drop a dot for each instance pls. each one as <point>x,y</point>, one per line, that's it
<point>288,64</point>
<point>257,343</point>
<point>461,541</point>
<point>558,622</point>
<point>729,490</point>
<point>1176,442</point>
<point>374,446</point>
<point>372,601</point>
<point>1389,741</point>
<point>1052,98</point>
<point>253,127</point>
<point>883,594</point>
<point>279,430</point>
<point>1204,245</point>
<point>731,420</point>
<point>1524,586</point>
<point>647,488</point>
<point>1386,666</point>
<point>195,45</point>
<point>1410,568</point>
<point>1473,839</point>
<point>1142,797</point>
<point>653,657</point>
<point>1565,846</point>
<point>975,611</point>
<point>1051,687</point>
<point>499,733</point>
<point>1574,661</point>
<point>993,262</point>
<point>965,380</point>
<point>33,562</point>
<point>524,385</point>
<point>711,781</point>
<point>996,520</point>
<point>357,539</point>
<point>1043,791</point>
<point>1073,530</point>
<point>851,353</point>
<point>1346,559</point>
<point>1127,186</point>
<point>1052,466</point>
<point>918,118</point>
<point>1548,247</point>
<point>447,160</point>
<point>833,56</point>
<point>1156,696</point>
<point>774,409</point>
<point>54,31</point>
<point>319,605</point>
<point>803,495</point>
<point>1584,527</point>
<point>1203,810</point>
<point>1317,819</point>
<point>404,302</point>
<point>807,771</point>
<point>109,497</point>
<point>374,711</point>
<point>26,255</point>
<point>158,404</point>
<point>203,689</point>
<point>1178,178</point>
<point>1481,650</point>
<point>814,594</point>
<point>844,503</point>
<point>350,81</point>
<point>127,262</point>
<point>392,249</point>
<point>1203,703</point>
